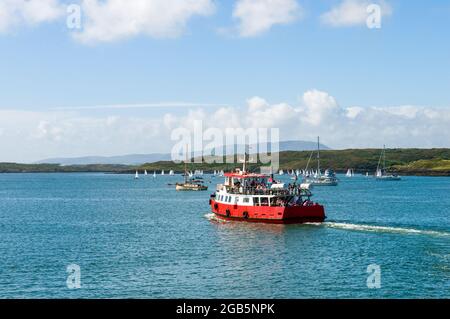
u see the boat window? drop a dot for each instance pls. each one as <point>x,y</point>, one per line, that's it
<point>229,199</point>
<point>273,201</point>
<point>264,201</point>
<point>246,200</point>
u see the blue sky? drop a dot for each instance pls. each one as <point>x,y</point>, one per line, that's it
<point>405,63</point>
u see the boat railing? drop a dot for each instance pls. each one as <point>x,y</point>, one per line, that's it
<point>292,191</point>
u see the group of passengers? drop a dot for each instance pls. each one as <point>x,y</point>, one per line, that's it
<point>263,187</point>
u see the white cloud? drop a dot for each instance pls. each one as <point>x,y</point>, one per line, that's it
<point>14,13</point>
<point>319,113</point>
<point>258,16</point>
<point>77,133</point>
<point>352,13</point>
<point>319,106</point>
<point>111,20</point>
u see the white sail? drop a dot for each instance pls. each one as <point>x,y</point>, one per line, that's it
<point>154,174</point>
<point>350,173</point>
<point>171,172</point>
<point>162,172</point>
<point>379,173</point>
<point>145,173</point>
<point>137,175</point>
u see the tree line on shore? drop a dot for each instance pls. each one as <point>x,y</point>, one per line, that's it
<point>402,161</point>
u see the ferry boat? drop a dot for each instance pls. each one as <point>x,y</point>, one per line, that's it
<point>250,197</point>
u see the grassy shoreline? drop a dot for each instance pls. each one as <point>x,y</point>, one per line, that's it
<point>419,162</point>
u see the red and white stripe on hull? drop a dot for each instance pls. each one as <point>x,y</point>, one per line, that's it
<point>269,214</point>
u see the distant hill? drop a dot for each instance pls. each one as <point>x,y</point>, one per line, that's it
<point>403,161</point>
<point>301,146</point>
<point>138,159</point>
<point>131,159</point>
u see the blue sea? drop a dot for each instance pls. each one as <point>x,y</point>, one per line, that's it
<point>142,239</point>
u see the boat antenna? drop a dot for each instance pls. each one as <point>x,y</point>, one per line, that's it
<point>244,168</point>
<point>245,159</point>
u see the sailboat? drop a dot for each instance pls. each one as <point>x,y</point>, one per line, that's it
<point>162,172</point>
<point>329,177</point>
<point>145,173</point>
<point>171,173</point>
<point>189,183</point>
<point>137,175</point>
<point>381,173</point>
<point>350,173</point>
<point>154,174</point>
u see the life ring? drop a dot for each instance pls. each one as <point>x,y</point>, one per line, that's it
<point>245,215</point>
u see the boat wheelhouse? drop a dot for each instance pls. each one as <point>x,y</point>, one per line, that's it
<point>259,198</point>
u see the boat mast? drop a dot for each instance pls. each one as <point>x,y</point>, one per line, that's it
<point>309,161</point>
<point>384,157</point>
<point>185,165</point>
<point>318,155</point>
<point>379,162</point>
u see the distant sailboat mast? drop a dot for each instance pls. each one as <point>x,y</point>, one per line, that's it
<point>185,165</point>
<point>318,156</point>
<point>307,164</point>
<point>379,172</point>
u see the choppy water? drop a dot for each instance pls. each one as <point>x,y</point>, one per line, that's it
<point>141,239</point>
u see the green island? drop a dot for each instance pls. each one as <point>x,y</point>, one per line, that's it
<point>425,162</point>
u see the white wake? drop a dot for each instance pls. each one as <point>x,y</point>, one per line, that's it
<point>382,229</point>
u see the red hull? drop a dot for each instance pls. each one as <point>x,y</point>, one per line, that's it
<point>269,214</point>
